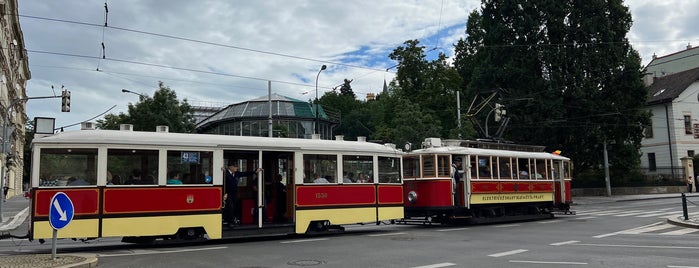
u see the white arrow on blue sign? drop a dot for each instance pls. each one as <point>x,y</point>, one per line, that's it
<point>61,211</point>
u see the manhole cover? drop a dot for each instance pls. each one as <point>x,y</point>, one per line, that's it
<point>306,262</point>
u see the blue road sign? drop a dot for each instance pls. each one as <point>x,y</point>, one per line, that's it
<point>61,211</point>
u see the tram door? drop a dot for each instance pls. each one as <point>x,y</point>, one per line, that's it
<point>277,188</point>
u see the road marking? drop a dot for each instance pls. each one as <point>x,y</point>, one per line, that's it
<point>659,214</point>
<point>551,262</point>
<point>634,246</point>
<point>585,218</point>
<point>388,234</point>
<point>628,230</point>
<point>304,240</point>
<point>511,252</point>
<point>610,212</point>
<point>675,266</point>
<point>564,243</point>
<point>17,220</point>
<point>147,252</point>
<point>648,229</point>
<point>445,264</point>
<point>551,221</point>
<point>629,213</point>
<point>454,229</point>
<point>681,231</point>
<point>506,225</point>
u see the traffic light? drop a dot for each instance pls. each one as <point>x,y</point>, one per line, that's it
<point>65,101</point>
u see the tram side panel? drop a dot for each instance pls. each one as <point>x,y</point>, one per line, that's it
<point>427,196</point>
<point>86,219</point>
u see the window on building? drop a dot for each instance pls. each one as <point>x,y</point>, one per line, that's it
<point>648,131</point>
<point>651,162</point>
<point>690,153</point>
<point>688,124</point>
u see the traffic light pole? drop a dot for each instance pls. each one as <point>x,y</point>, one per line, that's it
<point>3,168</point>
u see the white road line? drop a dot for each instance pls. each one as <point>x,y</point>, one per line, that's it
<point>564,243</point>
<point>148,252</point>
<point>648,229</point>
<point>551,221</point>
<point>511,252</point>
<point>585,218</point>
<point>445,264</point>
<point>658,214</point>
<point>388,234</point>
<point>506,225</point>
<point>675,266</point>
<point>17,220</point>
<point>623,231</point>
<point>304,240</point>
<point>611,212</point>
<point>550,262</point>
<point>630,212</point>
<point>635,246</point>
<point>454,229</point>
<point>681,231</point>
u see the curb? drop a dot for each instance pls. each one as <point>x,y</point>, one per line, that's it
<point>44,260</point>
<point>677,220</point>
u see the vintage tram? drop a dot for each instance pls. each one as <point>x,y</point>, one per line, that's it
<point>494,182</point>
<point>118,182</point>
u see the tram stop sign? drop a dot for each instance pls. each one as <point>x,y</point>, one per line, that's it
<point>61,211</point>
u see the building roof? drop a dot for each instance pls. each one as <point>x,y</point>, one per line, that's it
<point>667,88</point>
<point>673,63</point>
<point>282,106</point>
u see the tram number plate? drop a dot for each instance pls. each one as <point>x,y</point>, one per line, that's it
<point>321,195</point>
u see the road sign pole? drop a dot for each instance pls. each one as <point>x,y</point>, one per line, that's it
<point>53,244</point>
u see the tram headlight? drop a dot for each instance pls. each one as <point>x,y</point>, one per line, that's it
<point>412,196</point>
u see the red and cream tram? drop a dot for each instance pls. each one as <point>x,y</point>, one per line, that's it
<point>498,182</point>
<point>119,185</point>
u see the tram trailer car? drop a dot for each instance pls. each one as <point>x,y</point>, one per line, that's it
<point>119,182</point>
<point>498,182</point>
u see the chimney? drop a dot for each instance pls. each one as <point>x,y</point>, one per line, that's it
<point>648,79</point>
<point>689,46</point>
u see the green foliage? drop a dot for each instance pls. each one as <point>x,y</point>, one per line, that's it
<point>162,109</point>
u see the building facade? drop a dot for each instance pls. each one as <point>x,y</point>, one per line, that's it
<point>289,118</point>
<point>13,82</point>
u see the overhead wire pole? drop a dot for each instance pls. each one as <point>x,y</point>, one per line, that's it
<point>317,103</point>
<point>5,131</point>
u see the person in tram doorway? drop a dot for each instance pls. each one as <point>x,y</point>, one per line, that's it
<point>690,183</point>
<point>455,179</point>
<point>231,192</point>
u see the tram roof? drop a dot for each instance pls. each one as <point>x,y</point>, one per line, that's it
<point>142,138</point>
<point>486,152</point>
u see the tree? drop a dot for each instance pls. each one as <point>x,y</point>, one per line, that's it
<point>162,109</point>
<point>567,74</point>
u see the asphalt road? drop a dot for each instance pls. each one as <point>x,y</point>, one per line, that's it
<point>620,234</point>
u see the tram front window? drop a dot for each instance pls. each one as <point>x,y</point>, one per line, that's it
<point>68,167</point>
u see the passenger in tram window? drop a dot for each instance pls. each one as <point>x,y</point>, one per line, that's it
<point>135,177</point>
<point>174,178</point>
<point>207,177</point>
<point>348,178</point>
<point>361,178</point>
<point>505,171</point>
<point>73,181</point>
<point>319,179</point>
<point>523,175</point>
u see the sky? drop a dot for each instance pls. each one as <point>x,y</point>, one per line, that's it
<point>220,52</point>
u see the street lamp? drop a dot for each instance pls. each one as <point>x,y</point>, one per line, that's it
<point>317,118</point>
<point>129,91</point>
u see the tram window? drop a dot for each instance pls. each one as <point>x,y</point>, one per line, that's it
<point>68,167</point>
<point>193,167</point>
<point>524,170</point>
<point>567,166</point>
<point>357,168</point>
<point>556,169</point>
<point>443,166</point>
<point>541,169</point>
<point>319,168</point>
<point>473,166</point>
<point>484,167</point>
<point>389,169</point>
<point>428,166</point>
<point>411,167</point>
<point>132,166</point>
<point>505,168</point>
